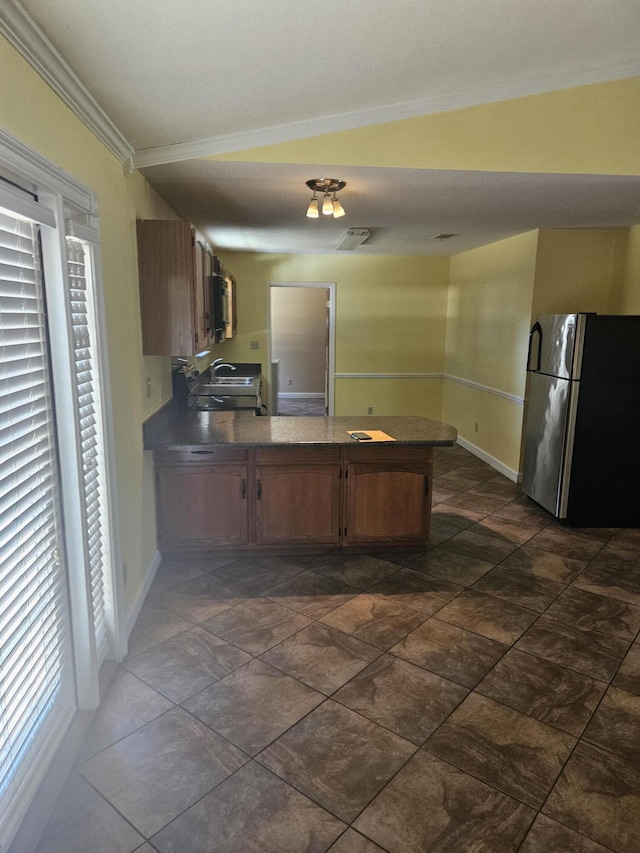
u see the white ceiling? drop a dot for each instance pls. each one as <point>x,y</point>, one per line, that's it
<point>260,207</point>
<point>222,74</point>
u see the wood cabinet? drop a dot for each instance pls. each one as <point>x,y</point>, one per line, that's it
<point>298,496</point>
<point>187,299</point>
<point>202,499</point>
<point>208,294</point>
<point>171,279</point>
<point>293,498</point>
<point>388,496</point>
<point>231,317</point>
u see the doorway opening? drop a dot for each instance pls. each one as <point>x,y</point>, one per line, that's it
<point>302,348</point>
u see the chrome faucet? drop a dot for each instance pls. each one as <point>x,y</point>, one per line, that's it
<point>218,363</point>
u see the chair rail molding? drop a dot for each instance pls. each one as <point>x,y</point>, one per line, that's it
<point>515,398</point>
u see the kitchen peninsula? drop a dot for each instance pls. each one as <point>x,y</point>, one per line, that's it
<point>228,481</point>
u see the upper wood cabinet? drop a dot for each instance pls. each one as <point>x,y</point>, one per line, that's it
<point>231,318</point>
<point>170,293</point>
<point>185,301</point>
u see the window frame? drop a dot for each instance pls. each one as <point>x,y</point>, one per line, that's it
<point>60,192</point>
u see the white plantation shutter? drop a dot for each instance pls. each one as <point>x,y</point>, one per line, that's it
<point>89,417</point>
<point>59,540</point>
<point>36,672</point>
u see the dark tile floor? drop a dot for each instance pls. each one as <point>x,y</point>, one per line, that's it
<point>482,695</point>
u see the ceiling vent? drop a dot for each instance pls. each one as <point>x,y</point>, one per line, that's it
<point>443,236</point>
<point>353,238</point>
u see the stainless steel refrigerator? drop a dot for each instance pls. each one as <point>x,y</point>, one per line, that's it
<point>582,419</point>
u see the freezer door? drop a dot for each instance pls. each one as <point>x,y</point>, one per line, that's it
<point>560,341</point>
<point>547,442</point>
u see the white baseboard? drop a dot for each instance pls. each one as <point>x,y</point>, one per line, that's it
<point>144,589</point>
<point>300,395</point>
<point>516,476</point>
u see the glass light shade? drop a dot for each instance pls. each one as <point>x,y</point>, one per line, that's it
<point>312,210</point>
<point>338,209</point>
<point>327,206</point>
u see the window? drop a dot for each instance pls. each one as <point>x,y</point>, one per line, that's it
<point>57,543</point>
<point>81,310</point>
<point>36,681</point>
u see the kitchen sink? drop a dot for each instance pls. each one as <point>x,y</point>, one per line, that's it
<point>231,380</point>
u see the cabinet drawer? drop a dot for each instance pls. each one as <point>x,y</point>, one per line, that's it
<point>298,456</point>
<point>388,453</point>
<point>201,454</point>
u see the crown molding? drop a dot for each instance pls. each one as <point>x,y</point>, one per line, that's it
<point>27,38</point>
<point>24,34</point>
<point>291,131</point>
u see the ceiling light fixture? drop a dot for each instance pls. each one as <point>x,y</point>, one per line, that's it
<point>326,187</point>
<point>354,238</point>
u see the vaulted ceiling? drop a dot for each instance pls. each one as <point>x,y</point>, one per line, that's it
<point>184,80</point>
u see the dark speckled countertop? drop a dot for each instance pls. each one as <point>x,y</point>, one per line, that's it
<point>173,429</point>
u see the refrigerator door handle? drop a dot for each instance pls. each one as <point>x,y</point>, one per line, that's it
<point>536,328</point>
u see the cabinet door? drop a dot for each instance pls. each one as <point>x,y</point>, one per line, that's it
<point>208,295</point>
<point>298,504</point>
<point>232,319</point>
<point>387,502</point>
<point>201,505</point>
<point>166,268</point>
<point>199,284</point>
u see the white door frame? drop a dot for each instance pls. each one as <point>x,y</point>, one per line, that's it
<point>331,366</point>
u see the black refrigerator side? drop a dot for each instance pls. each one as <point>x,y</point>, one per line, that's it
<point>605,469</point>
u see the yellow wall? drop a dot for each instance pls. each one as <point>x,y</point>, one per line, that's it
<point>393,396</point>
<point>629,292</point>
<point>493,291</point>
<point>489,307</point>
<point>589,129</point>
<point>38,118</point>
<point>391,312</point>
<point>496,291</point>
<point>579,270</point>
<point>390,318</point>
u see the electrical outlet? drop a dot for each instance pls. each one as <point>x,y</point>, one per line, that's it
<point>161,391</point>
<point>370,410</point>
<point>289,381</point>
<point>148,385</point>
<point>254,344</point>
